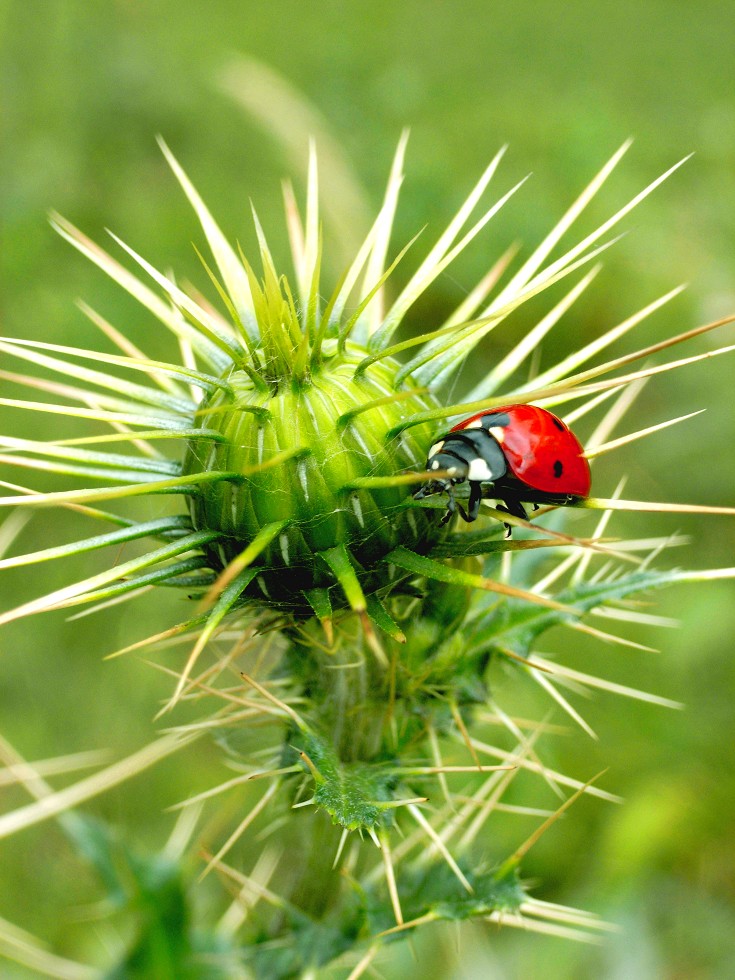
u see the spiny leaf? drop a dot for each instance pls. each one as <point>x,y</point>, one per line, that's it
<point>161,379</point>
<point>206,349</point>
<point>578,678</point>
<point>133,532</point>
<point>519,628</point>
<point>225,257</point>
<point>531,341</point>
<point>598,449</point>
<point>147,434</point>
<point>76,593</point>
<point>578,357</point>
<point>429,568</point>
<point>177,484</point>
<point>652,507</point>
<point>523,276</point>
<point>578,380</point>
<point>94,459</point>
<point>138,416</point>
<point>205,324</point>
<point>439,358</point>
<point>103,379</point>
<point>226,600</point>
<point>175,574</point>
<point>436,259</point>
<point>374,312</point>
<point>92,786</point>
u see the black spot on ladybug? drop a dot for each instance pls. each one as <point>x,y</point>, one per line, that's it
<point>558,468</point>
<point>557,423</point>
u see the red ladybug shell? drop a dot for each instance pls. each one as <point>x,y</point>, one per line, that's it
<point>541,451</point>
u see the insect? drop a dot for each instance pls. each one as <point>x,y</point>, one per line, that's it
<point>526,453</point>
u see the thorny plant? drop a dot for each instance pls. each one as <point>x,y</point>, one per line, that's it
<point>354,633</point>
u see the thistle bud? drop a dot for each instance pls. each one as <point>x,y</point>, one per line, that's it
<point>326,434</point>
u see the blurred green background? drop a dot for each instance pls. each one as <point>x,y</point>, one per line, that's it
<point>86,87</point>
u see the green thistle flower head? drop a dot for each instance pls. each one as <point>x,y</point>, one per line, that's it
<point>299,449</point>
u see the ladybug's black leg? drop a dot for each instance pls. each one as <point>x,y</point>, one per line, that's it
<point>515,508</point>
<point>451,507</point>
<point>508,527</point>
<point>474,504</point>
<point>463,512</point>
<point>454,505</point>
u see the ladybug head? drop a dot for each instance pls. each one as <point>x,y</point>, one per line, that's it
<point>456,471</point>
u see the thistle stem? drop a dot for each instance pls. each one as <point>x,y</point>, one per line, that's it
<point>349,691</point>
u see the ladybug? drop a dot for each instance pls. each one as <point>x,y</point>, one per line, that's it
<point>526,453</point>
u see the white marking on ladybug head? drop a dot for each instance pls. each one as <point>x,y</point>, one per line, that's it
<point>436,448</point>
<point>452,470</point>
<point>475,424</point>
<point>434,465</point>
<point>498,433</point>
<point>479,471</point>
